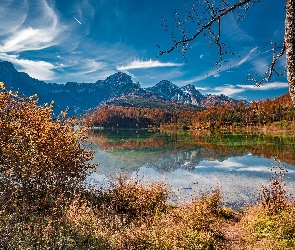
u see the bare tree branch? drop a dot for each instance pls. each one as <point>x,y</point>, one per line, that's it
<point>208,23</point>
<point>217,39</point>
<point>225,3</point>
<point>215,18</point>
<point>271,68</point>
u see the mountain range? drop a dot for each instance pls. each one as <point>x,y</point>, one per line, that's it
<point>80,97</point>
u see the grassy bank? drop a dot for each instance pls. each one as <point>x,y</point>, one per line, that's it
<point>130,215</point>
<point>126,216</point>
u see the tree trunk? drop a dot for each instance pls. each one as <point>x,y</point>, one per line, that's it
<point>290,46</point>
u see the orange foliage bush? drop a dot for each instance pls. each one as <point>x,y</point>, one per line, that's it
<point>42,161</point>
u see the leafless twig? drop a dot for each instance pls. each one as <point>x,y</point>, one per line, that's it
<point>271,68</point>
<point>215,17</point>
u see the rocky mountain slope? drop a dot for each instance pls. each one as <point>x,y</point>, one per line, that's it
<point>79,97</point>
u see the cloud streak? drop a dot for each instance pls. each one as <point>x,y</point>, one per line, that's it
<point>224,67</point>
<point>231,90</point>
<point>77,20</point>
<point>34,34</point>
<point>12,17</point>
<point>31,30</point>
<point>265,86</point>
<point>136,64</point>
<point>228,90</point>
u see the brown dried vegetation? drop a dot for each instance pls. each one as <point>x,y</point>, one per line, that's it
<point>42,164</point>
<point>271,223</point>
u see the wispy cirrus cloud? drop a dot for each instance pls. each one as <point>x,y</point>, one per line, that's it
<point>265,86</point>
<point>83,67</point>
<point>234,63</point>
<point>34,33</point>
<point>12,16</point>
<point>245,58</point>
<point>232,90</point>
<point>228,90</point>
<point>137,64</point>
<point>31,30</point>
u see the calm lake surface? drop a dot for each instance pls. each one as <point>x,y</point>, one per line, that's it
<point>194,162</point>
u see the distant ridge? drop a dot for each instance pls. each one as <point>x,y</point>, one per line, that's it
<point>80,97</point>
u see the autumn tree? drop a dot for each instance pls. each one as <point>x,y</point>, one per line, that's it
<point>43,165</point>
<point>205,18</point>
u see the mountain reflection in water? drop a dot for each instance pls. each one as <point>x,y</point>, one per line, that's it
<point>190,162</point>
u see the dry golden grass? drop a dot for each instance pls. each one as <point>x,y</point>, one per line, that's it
<point>269,231</point>
<point>271,223</point>
<point>194,226</point>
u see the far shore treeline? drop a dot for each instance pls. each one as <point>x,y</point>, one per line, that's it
<point>269,113</point>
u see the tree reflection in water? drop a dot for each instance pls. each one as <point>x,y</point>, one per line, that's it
<point>193,161</point>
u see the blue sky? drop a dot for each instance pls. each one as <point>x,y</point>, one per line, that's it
<point>88,40</point>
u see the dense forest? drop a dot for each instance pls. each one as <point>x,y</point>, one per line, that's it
<point>228,116</point>
<point>131,117</point>
<point>258,113</point>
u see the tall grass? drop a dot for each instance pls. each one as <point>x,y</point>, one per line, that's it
<point>126,216</point>
<point>271,223</point>
<point>131,215</point>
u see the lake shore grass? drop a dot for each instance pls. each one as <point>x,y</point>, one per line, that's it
<point>131,215</point>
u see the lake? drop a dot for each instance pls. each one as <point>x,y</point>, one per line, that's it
<point>192,162</point>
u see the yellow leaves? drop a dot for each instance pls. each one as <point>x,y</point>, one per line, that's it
<point>8,147</point>
<point>2,86</point>
<point>40,154</point>
<point>33,98</point>
<point>77,134</point>
<point>8,171</point>
<point>63,114</point>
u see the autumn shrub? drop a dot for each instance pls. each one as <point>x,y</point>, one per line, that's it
<point>274,196</point>
<point>43,164</point>
<point>271,223</point>
<point>134,199</point>
<point>121,222</point>
<point>269,231</point>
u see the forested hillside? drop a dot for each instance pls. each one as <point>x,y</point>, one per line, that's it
<point>133,117</point>
<point>138,113</point>
<point>239,115</point>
